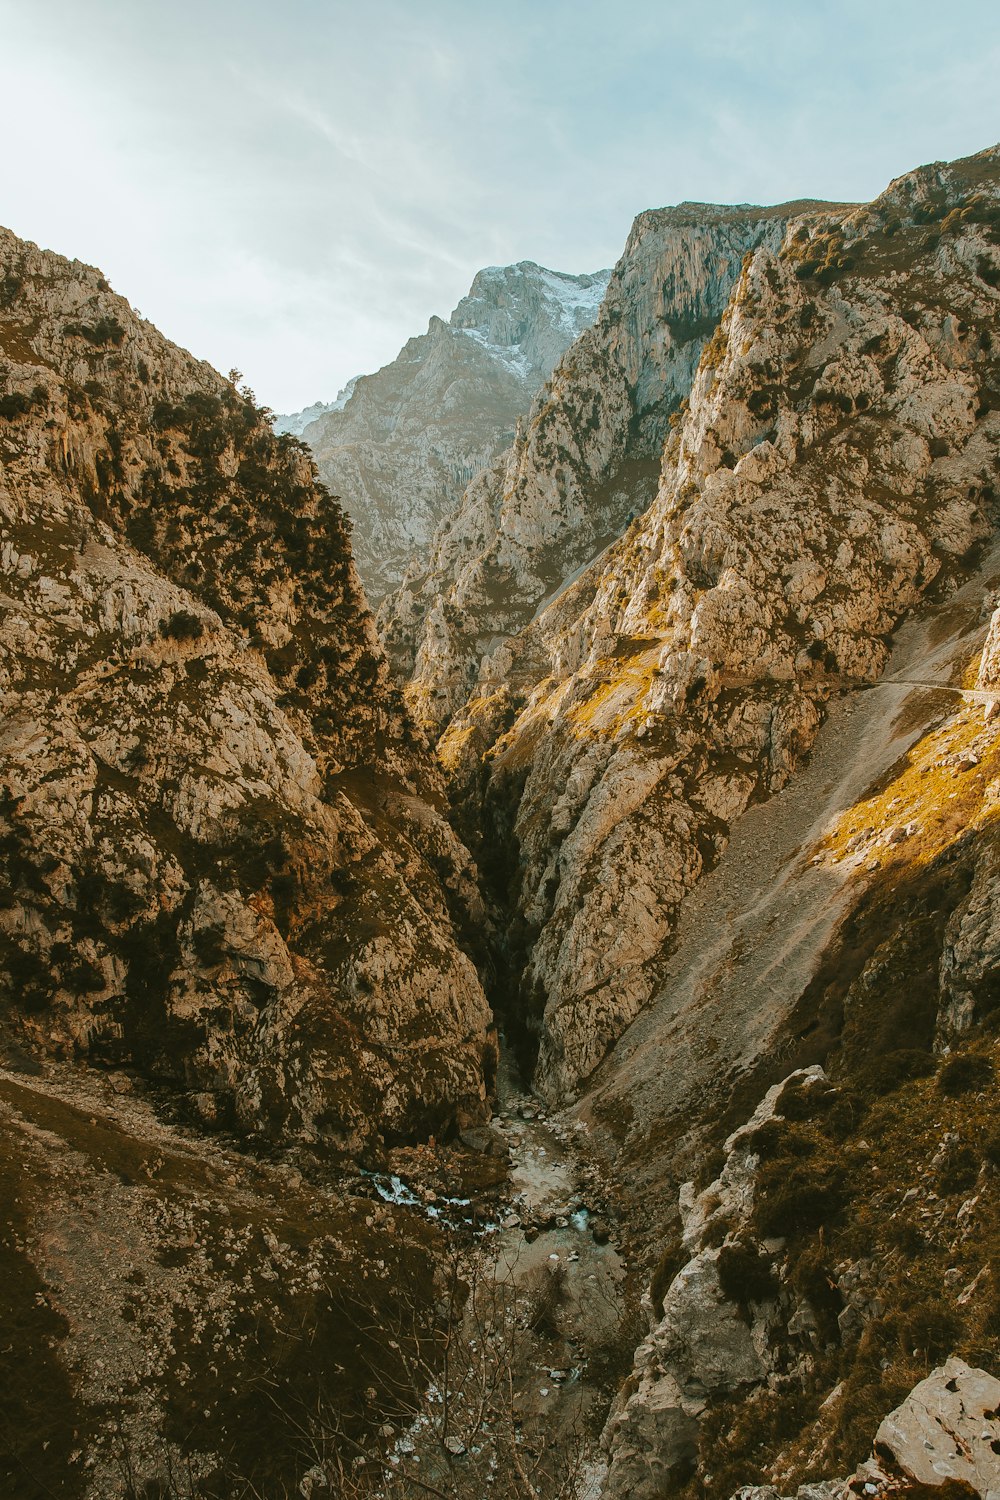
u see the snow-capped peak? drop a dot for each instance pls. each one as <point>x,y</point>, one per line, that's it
<point>525,315</point>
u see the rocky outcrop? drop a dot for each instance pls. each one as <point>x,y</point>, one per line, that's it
<point>785,1288</point>
<point>944,1436</point>
<point>401,445</point>
<point>584,461</point>
<point>725,1327</point>
<point>948,1428</point>
<point>225,861</point>
<point>836,458</point>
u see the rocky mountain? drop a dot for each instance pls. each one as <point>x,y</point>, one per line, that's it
<point>223,845</point>
<point>716,663</point>
<point>406,441</point>
<point>584,461</point>
<point>833,469</point>
<point>846,398</point>
<point>296,422</point>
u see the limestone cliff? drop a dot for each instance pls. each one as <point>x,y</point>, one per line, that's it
<point>224,857</point>
<point>400,446</point>
<point>837,455</point>
<point>584,460</point>
<point>696,917</point>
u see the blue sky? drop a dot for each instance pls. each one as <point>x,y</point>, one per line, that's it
<point>294,188</point>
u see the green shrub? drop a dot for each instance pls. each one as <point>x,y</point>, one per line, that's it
<point>959,1171</point>
<point>10,288</point>
<point>814,1279</point>
<point>896,1068</point>
<point>745,1274</point>
<point>26,977</point>
<point>182,625</point>
<point>902,1234</point>
<point>801,1183</point>
<point>775,1139</point>
<point>804,1100</point>
<point>931,1332</point>
<point>104,331</point>
<point>14,405</point>
<point>965,1073</point>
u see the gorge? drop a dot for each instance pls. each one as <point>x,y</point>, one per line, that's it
<point>540,1038</point>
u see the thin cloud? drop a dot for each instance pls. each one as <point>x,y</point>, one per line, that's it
<point>297,192</point>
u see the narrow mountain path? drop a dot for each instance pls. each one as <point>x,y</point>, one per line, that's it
<point>752,932</point>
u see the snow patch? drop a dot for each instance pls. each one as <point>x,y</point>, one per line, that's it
<point>510,356</point>
<point>296,422</point>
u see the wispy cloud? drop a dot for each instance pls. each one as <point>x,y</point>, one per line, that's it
<point>295,191</point>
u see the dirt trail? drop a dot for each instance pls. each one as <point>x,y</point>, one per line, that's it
<point>752,932</point>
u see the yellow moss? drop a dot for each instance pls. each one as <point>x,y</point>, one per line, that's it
<point>619,696</point>
<point>922,789</point>
<point>452,745</point>
<point>970,674</point>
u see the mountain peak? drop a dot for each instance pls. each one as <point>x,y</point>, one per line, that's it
<point>403,444</point>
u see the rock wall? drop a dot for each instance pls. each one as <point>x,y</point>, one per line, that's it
<point>585,459</point>
<point>837,455</point>
<point>225,856</point>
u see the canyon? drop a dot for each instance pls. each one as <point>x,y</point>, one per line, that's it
<point>539,1039</point>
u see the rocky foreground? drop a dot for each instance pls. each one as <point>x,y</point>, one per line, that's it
<point>712,656</point>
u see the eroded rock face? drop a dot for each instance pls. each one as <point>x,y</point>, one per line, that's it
<point>224,856</point>
<point>837,455</point>
<point>945,1432</point>
<point>584,460</point>
<point>704,1345</point>
<point>401,445</point>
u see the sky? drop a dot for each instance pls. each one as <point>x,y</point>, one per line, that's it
<point>293,189</point>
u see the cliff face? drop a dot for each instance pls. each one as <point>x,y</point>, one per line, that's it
<point>837,455</point>
<point>584,461</point>
<point>224,858</point>
<point>719,948</point>
<point>400,446</point>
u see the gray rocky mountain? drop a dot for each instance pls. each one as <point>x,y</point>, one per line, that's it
<point>402,447</point>
<point>296,422</point>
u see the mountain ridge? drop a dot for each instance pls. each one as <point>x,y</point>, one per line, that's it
<point>401,447</point>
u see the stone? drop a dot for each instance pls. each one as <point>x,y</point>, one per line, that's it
<point>600,1232</point>
<point>478,1138</point>
<point>947,1428</point>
